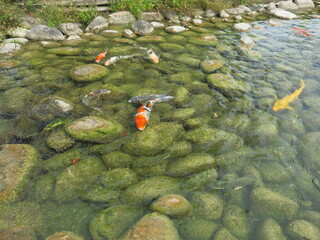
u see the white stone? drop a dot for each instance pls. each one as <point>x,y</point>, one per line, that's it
<point>18,32</point>
<point>175,29</point>
<point>242,27</point>
<point>197,21</point>
<point>235,11</point>
<point>304,3</point>
<point>70,28</point>
<point>283,14</point>
<point>253,13</point>
<point>224,14</point>
<point>238,17</point>
<point>273,22</point>
<point>16,40</point>
<point>128,31</point>
<point>110,31</point>
<point>9,47</point>
<point>157,24</point>
<point>246,42</point>
<point>210,13</point>
<point>97,24</point>
<point>122,17</point>
<point>287,5</point>
<point>245,8</point>
<point>65,107</point>
<point>271,6</point>
<point>73,37</point>
<point>186,19</point>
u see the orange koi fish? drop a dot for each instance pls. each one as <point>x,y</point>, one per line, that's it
<point>283,103</point>
<point>101,56</point>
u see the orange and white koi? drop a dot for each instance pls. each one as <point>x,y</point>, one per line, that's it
<point>151,55</point>
<point>115,59</point>
<point>101,56</point>
<point>143,98</point>
<point>283,103</point>
<point>142,116</point>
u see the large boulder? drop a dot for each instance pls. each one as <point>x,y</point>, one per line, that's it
<point>153,140</point>
<point>122,17</point>
<point>43,32</point>
<point>304,3</point>
<point>98,24</point>
<point>142,27</point>
<point>19,163</point>
<point>88,72</point>
<point>287,5</point>
<point>153,226</point>
<point>70,28</point>
<point>94,129</point>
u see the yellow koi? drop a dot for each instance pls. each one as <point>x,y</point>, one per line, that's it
<point>283,103</point>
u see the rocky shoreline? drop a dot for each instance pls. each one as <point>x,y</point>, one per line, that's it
<point>31,29</point>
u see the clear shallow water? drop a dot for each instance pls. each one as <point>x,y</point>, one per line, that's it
<point>278,149</point>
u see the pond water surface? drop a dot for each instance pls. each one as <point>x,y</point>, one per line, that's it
<point>247,171</point>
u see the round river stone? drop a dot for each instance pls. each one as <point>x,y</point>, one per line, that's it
<point>88,72</point>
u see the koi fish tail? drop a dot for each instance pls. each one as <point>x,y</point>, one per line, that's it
<point>302,85</point>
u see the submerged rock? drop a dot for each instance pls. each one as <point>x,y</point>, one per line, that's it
<point>88,72</point>
<point>236,221</point>
<point>153,226</point>
<point>44,187</point>
<point>76,179</point>
<point>172,205</point>
<point>309,148</point>
<point>193,163</point>
<point>197,229</point>
<point>224,234</point>
<point>59,140</point>
<point>101,194</point>
<point>283,14</point>
<point>301,229</point>
<point>270,229</point>
<point>150,188</point>
<point>117,159</point>
<point>153,140</point>
<point>49,108</point>
<point>94,129</point>
<point>304,3</point>
<point>19,163</point>
<point>65,235</point>
<point>112,222</point>
<point>70,28</point>
<point>227,83</point>
<point>43,32</point>
<point>273,204</point>
<point>242,27</point>
<point>209,66</point>
<point>175,29</point>
<point>18,233</point>
<point>206,205</point>
<point>65,51</point>
<point>118,178</point>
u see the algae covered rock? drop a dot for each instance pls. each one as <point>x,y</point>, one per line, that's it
<point>62,160</point>
<point>198,229</point>
<point>153,226</point>
<point>301,229</point>
<point>44,187</point>
<point>179,114</point>
<point>153,140</point>
<point>181,96</point>
<point>209,66</point>
<point>273,204</point>
<point>206,205</point>
<point>94,129</point>
<point>18,233</point>
<point>199,180</point>
<point>76,179</point>
<point>117,159</point>
<point>270,229</point>
<point>193,163</point>
<point>118,178</point>
<point>15,100</point>
<point>65,235</point>
<point>180,149</point>
<point>101,194</point>
<point>112,222</point>
<point>59,140</point>
<point>65,51</point>
<point>150,188</point>
<point>274,172</point>
<point>213,140</point>
<point>224,234</point>
<point>19,163</point>
<point>236,221</point>
<point>88,72</point>
<point>309,147</point>
<point>172,205</point>
<point>227,83</point>
<point>151,166</point>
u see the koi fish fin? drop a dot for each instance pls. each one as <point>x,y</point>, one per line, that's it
<point>289,107</point>
<point>302,85</point>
